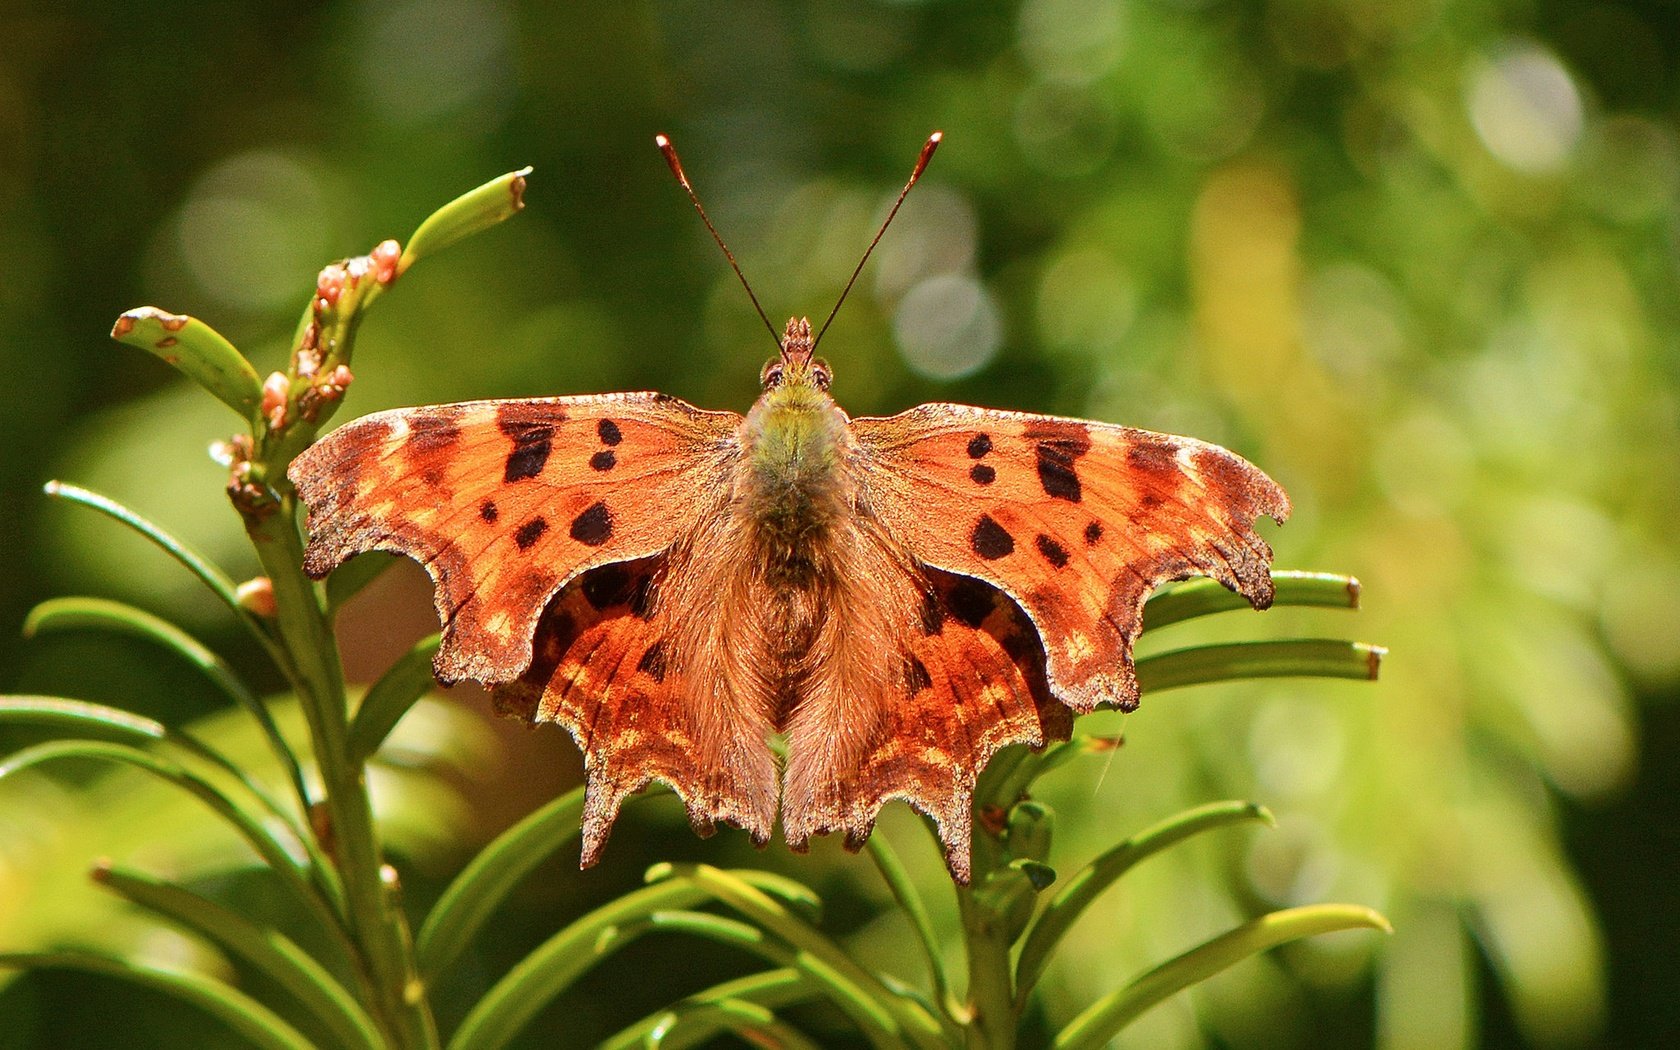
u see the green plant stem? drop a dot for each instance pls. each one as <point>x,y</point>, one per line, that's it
<point>991,994</point>
<point>312,662</point>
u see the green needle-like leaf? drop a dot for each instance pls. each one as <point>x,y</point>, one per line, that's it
<point>770,989</point>
<point>753,1023</point>
<point>267,949</point>
<point>910,901</point>
<point>249,826</point>
<point>84,719</point>
<point>1202,597</point>
<point>388,699</point>
<point>256,1022</point>
<point>465,215</point>
<point>81,717</point>
<point>60,614</point>
<point>1299,658</point>
<point>550,969</point>
<point>491,876</point>
<point>197,351</point>
<point>886,1018</point>
<point>212,577</point>
<point>1088,883</point>
<point>1099,1023</point>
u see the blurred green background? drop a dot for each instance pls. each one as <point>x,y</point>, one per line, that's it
<point>1416,259</point>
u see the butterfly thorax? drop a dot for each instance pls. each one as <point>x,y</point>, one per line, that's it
<point>792,482</point>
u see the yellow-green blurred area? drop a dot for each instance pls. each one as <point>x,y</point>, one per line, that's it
<point>1416,259</point>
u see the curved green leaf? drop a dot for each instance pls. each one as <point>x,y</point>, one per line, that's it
<point>249,827</point>
<point>752,1022</point>
<point>387,700</point>
<point>256,1022</point>
<point>785,986</point>
<point>910,901</point>
<point>61,614</point>
<point>1100,1022</point>
<point>1088,883</point>
<point>884,1016</point>
<point>552,967</point>
<point>81,716</point>
<point>197,351</point>
<point>215,579</point>
<point>475,210</point>
<point>100,721</point>
<point>492,875</point>
<point>1297,658</point>
<point>1202,597</point>
<point>267,949</point>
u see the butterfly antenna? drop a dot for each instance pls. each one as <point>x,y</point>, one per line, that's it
<point>670,152</point>
<point>921,166</point>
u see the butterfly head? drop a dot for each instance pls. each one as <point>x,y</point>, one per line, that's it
<point>796,368</point>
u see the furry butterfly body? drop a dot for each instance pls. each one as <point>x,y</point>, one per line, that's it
<point>899,597</point>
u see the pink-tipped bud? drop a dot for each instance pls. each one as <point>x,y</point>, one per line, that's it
<point>276,389</point>
<point>232,451</point>
<point>329,285</point>
<point>256,596</point>
<point>386,254</point>
<point>330,388</point>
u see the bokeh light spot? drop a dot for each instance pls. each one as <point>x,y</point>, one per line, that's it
<point>1071,41</point>
<point>1526,109</point>
<point>251,232</point>
<point>947,326</point>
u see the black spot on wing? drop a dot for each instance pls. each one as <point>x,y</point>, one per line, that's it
<point>990,540</point>
<point>641,597</point>
<point>916,677</point>
<point>1093,533</point>
<point>1056,471</point>
<point>530,532</point>
<point>1053,552</point>
<point>594,525</point>
<point>608,586</point>
<point>979,445</point>
<point>603,460</point>
<point>487,511</point>
<point>933,617</point>
<point>982,474</point>
<point>531,447</point>
<point>652,662</point>
<point>970,601</point>
<point>609,432</point>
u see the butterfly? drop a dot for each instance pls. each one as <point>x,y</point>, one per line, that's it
<point>899,597</point>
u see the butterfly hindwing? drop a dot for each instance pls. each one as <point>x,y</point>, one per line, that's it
<point>1074,520</point>
<point>503,502</point>
<point>967,682</point>
<point>604,668</point>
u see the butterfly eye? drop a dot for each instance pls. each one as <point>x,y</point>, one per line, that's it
<point>820,373</point>
<point>772,375</point>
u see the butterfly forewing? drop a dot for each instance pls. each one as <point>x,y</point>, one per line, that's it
<point>504,502</point>
<point>1074,520</point>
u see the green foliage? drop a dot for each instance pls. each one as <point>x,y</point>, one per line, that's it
<point>349,974</point>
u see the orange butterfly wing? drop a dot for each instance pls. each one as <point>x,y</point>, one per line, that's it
<point>1076,521</point>
<point>503,502</point>
<point>971,681</point>
<point>603,669</point>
